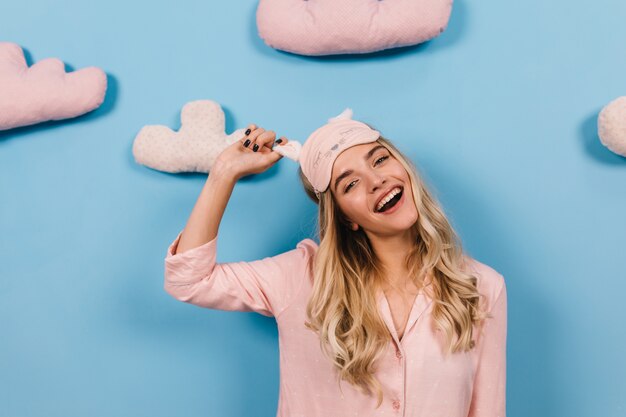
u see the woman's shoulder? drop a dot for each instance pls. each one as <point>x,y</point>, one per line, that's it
<point>304,251</point>
<point>308,244</point>
<point>299,258</point>
<point>490,282</point>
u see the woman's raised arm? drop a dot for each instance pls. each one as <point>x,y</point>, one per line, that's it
<point>251,155</point>
<point>206,216</point>
<point>192,273</point>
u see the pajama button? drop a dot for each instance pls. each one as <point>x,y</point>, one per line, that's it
<point>396,404</point>
<point>398,354</point>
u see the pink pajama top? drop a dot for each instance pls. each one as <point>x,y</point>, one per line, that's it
<point>417,380</point>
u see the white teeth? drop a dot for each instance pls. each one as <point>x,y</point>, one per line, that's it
<point>389,196</point>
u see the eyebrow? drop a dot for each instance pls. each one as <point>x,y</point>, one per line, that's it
<point>367,156</point>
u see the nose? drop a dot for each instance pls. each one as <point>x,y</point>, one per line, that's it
<point>376,181</point>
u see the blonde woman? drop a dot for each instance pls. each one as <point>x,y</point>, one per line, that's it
<point>386,315</point>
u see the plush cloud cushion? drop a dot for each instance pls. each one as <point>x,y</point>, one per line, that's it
<point>44,91</point>
<point>612,126</point>
<point>200,139</point>
<point>326,27</point>
<point>196,145</point>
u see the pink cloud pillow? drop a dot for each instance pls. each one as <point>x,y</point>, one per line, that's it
<point>44,91</point>
<point>326,27</point>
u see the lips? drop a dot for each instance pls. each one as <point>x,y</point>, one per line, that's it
<point>384,194</point>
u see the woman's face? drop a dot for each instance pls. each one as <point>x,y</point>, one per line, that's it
<point>362,177</point>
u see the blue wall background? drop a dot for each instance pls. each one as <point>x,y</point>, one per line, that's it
<point>499,113</point>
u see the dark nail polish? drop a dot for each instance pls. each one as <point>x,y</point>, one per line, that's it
<point>279,140</point>
<point>248,132</point>
<point>255,147</point>
<point>246,143</point>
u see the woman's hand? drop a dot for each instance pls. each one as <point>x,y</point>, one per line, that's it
<point>251,155</point>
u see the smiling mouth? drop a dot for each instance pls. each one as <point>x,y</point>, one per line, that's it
<point>389,204</point>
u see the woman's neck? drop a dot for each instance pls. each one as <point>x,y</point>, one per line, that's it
<point>392,251</point>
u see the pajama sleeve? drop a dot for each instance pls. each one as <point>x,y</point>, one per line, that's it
<point>265,286</point>
<point>489,393</point>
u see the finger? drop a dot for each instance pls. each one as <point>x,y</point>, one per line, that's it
<point>246,141</point>
<point>255,133</point>
<point>282,140</point>
<point>250,128</point>
<point>255,137</point>
<point>266,139</point>
<point>271,157</point>
<point>252,138</point>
